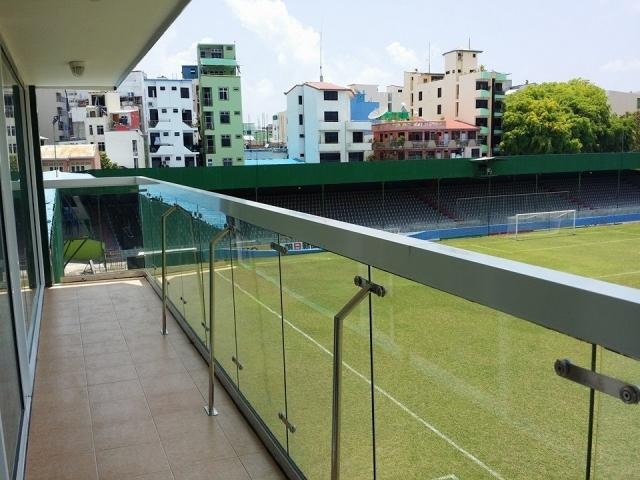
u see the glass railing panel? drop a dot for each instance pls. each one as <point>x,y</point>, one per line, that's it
<point>616,424</point>
<point>316,285</point>
<point>463,391</point>
<point>256,281</point>
<point>357,416</point>
<point>150,257</point>
<point>225,324</point>
<point>184,287</point>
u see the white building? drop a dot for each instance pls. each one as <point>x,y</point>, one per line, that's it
<point>623,102</point>
<point>319,126</point>
<point>389,100</point>
<point>171,122</point>
<point>115,128</point>
<point>279,137</point>
<point>466,92</point>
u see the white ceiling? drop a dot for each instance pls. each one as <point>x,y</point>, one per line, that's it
<point>109,36</point>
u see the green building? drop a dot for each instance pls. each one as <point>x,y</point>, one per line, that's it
<point>220,105</point>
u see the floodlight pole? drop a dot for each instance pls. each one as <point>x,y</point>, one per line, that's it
<point>210,409</point>
<point>366,287</point>
<point>164,266</point>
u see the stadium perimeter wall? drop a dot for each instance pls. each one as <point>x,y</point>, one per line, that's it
<point>500,228</point>
<point>230,178</point>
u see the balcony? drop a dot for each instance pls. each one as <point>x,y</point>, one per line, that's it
<point>483,94</point>
<point>482,112</point>
<point>116,399</point>
<point>318,337</point>
<point>483,131</point>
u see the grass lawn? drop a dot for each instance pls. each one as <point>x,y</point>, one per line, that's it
<point>459,390</point>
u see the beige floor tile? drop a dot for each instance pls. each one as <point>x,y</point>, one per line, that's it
<point>119,411</point>
<point>60,441</point>
<point>64,467</point>
<point>149,354</point>
<point>102,336</point>
<point>51,351</point>
<point>49,331</point>
<point>62,399</point>
<point>132,460</point>
<point>111,374</point>
<point>104,360</point>
<point>239,434</point>
<point>92,327</point>
<point>189,400</point>
<point>261,465</point>
<point>172,383</point>
<point>226,469</point>
<point>117,435</point>
<point>61,365</point>
<point>43,420</point>
<point>61,340</point>
<point>113,346</point>
<point>47,384</point>
<point>195,447</point>
<point>181,423</point>
<point>108,392</point>
<point>165,475</point>
<point>162,366</point>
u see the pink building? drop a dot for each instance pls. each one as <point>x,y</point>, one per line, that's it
<point>422,139</point>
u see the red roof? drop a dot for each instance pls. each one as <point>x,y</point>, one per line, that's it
<point>457,125</point>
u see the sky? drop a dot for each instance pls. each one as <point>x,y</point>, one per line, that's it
<point>279,42</point>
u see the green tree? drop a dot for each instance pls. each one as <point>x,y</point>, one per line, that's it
<point>567,117</point>
<point>106,163</point>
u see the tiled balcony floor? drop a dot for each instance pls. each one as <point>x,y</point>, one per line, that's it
<point>114,399</point>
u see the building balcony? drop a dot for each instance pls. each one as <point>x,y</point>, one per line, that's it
<point>482,112</point>
<point>483,131</point>
<point>498,113</point>
<point>330,147</point>
<point>116,399</point>
<point>272,288</point>
<point>358,146</point>
<point>483,94</point>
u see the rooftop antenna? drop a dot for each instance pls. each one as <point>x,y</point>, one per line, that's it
<point>469,43</point>
<point>321,77</point>
<point>429,58</point>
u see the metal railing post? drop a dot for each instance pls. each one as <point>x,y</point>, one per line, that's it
<point>366,287</point>
<point>164,266</point>
<point>210,409</point>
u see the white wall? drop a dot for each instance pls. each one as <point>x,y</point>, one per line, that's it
<point>120,150</point>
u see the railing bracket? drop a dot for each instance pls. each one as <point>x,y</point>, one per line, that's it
<point>626,392</point>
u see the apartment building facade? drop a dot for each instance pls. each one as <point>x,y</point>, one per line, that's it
<point>466,92</point>
<point>423,139</point>
<point>113,125</point>
<point>171,122</point>
<point>220,105</point>
<point>319,125</point>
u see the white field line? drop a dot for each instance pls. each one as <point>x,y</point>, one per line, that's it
<point>399,404</point>
<point>451,476</point>
<point>621,274</point>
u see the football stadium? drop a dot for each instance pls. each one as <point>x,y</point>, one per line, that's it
<point>434,385</point>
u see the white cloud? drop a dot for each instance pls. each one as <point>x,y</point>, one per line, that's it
<point>620,66</point>
<point>401,55</point>
<point>282,32</point>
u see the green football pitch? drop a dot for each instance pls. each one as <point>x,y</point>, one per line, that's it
<point>454,390</point>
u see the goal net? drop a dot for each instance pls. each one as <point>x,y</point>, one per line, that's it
<point>542,223</point>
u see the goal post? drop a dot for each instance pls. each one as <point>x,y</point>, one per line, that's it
<point>542,223</point>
